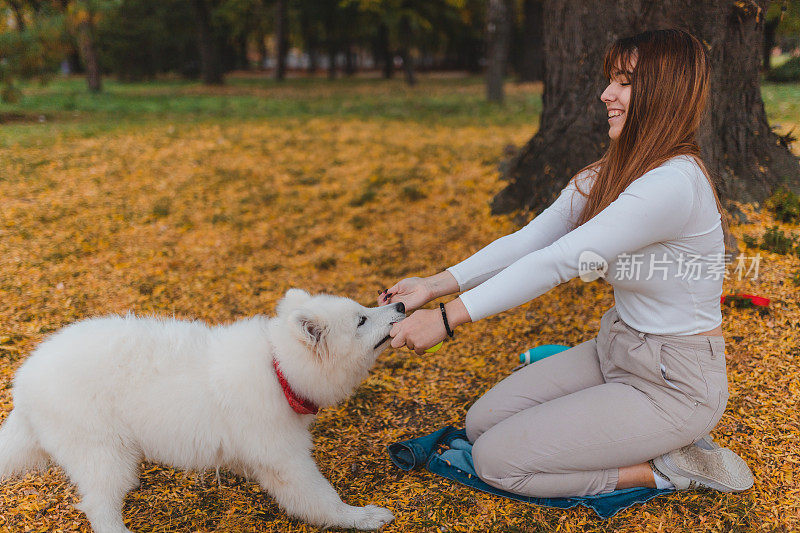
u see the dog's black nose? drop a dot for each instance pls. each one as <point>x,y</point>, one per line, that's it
<point>400,307</point>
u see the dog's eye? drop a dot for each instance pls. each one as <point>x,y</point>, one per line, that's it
<point>361,321</point>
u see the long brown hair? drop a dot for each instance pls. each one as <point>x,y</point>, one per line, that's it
<point>669,94</point>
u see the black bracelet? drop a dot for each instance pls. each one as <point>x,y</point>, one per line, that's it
<point>446,324</point>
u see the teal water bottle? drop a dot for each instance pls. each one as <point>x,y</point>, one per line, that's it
<point>540,352</point>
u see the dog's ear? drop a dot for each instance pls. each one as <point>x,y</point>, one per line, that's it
<point>309,329</point>
<point>293,299</point>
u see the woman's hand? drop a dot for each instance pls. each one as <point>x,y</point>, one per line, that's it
<point>412,292</point>
<point>423,329</point>
<point>416,292</point>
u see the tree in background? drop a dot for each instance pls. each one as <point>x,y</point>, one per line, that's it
<point>84,15</point>
<point>528,43</point>
<point>462,34</point>
<point>137,39</point>
<point>406,28</point>
<point>140,39</point>
<point>210,65</point>
<point>398,22</point>
<point>32,48</point>
<point>498,37</point>
<point>736,140</point>
<point>143,38</point>
<point>783,18</point>
<point>281,39</point>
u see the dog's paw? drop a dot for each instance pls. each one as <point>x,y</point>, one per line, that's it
<point>372,517</point>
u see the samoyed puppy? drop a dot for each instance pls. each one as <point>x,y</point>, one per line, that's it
<point>103,394</point>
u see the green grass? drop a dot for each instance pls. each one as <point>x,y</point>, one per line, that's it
<point>782,102</point>
<point>779,60</point>
<point>64,107</point>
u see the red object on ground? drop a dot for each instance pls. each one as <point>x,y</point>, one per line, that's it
<point>755,300</point>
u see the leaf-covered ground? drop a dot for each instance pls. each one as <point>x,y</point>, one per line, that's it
<point>204,215</point>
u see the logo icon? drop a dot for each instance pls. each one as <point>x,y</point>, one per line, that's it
<point>591,266</point>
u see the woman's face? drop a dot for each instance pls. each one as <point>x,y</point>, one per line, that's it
<point>616,97</point>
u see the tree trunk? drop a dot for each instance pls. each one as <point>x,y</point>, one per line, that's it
<point>349,60</point>
<point>384,51</point>
<point>405,52</point>
<point>408,66</point>
<point>19,17</point>
<point>736,141</point>
<point>261,48</point>
<point>313,61</point>
<point>210,66</point>
<point>531,66</point>
<point>311,41</point>
<point>770,27</point>
<point>242,59</point>
<point>74,59</point>
<point>332,42</point>
<point>281,40</point>
<point>332,52</point>
<point>498,36</point>
<point>73,55</point>
<point>88,53</point>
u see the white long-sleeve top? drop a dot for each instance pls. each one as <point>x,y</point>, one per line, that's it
<point>661,238</point>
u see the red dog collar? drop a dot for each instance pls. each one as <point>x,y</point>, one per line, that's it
<point>298,404</point>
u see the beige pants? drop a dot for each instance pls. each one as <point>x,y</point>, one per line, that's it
<point>564,425</point>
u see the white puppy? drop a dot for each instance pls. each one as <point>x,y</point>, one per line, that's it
<point>103,394</point>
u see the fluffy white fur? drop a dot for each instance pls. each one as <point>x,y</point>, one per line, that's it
<point>103,394</point>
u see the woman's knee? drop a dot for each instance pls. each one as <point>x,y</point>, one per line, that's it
<point>485,459</point>
<point>479,419</point>
<point>492,461</point>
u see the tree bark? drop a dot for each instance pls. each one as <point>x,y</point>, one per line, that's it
<point>332,53</point>
<point>531,66</point>
<point>281,40</point>
<point>408,66</point>
<point>210,66</point>
<point>385,54</point>
<point>313,61</point>
<point>349,60</point>
<point>311,40</point>
<point>332,42</point>
<point>736,141</point>
<point>88,53</point>
<point>405,51</point>
<point>261,47</point>
<point>770,27</point>
<point>498,36</point>
<point>19,16</point>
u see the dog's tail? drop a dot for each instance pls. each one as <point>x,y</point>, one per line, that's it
<point>19,448</point>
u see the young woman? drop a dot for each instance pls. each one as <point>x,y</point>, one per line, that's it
<point>632,407</point>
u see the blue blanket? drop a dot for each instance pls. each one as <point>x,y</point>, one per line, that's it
<point>448,453</point>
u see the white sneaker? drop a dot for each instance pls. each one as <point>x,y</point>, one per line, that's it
<point>704,464</point>
<point>707,443</point>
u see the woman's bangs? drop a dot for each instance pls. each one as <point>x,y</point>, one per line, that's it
<point>617,59</point>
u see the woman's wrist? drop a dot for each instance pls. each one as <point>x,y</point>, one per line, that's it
<point>457,313</point>
<point>441,284</point>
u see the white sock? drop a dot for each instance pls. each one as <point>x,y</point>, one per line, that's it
<point>662,483</point>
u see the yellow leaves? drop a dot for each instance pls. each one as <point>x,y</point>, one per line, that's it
<point>217,220</point>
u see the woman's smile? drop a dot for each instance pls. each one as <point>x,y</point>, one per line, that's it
<point>616,114</point>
